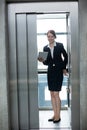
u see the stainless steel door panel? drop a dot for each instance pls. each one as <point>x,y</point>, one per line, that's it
<point>12,59</point>
<point>22,71</point>
<point>32,65</point>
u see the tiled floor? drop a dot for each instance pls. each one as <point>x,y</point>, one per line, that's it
<point>64,124</point>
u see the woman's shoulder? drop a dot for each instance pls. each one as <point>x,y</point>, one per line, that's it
<point>59,44</point>
<point>45,48</point>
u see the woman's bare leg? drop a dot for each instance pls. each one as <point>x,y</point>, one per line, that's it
<point>56,104</point>
<point>53,101</point>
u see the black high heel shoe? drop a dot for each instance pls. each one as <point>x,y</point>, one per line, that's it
<point>56,121</point>
<point>51,119</point>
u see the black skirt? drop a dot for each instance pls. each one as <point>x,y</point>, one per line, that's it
<point>55,78</point>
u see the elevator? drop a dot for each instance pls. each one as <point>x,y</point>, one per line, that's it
<point>22,61</point>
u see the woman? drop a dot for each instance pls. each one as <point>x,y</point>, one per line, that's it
<point>56,60</point>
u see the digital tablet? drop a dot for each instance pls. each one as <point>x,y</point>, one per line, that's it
<point>43,55</point>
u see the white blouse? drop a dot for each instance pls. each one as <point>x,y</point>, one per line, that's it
<point>52,49</point>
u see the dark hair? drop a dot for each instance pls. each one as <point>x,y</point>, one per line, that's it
<point>53,32</point>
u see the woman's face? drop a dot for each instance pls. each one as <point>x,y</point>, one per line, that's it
<point>50,38</point>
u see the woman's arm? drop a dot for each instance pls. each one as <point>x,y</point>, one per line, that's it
<point>65,55</point>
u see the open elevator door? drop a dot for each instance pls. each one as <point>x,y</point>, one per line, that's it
<point>22,57</point>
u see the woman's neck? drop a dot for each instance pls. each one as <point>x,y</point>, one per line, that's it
<point>51,44</point>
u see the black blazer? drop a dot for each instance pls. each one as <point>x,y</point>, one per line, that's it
<point>57,59</point>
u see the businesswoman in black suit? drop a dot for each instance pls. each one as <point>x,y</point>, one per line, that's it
<point>56,60</point>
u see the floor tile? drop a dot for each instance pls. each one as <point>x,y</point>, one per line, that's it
<point>64,124</point>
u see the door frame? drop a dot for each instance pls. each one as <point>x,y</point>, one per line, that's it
<point>72,8</point>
